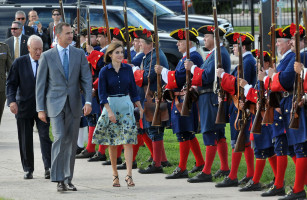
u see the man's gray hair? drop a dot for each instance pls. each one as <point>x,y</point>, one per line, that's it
<point>34,38</point>
<point>18,23</point>
<point>20,12</point>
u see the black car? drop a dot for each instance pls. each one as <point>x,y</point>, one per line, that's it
<point>115,16</point>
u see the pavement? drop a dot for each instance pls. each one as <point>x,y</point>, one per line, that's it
<point>93,180</point>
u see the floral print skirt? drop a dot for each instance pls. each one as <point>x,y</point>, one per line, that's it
<point>124,131</point>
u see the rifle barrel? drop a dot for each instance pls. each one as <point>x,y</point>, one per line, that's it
<point>106,20</point>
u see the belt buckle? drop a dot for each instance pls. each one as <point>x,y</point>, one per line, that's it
<point>286,94</point>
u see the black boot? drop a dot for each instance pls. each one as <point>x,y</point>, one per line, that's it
<point>151,169</point>
<point>227,182</point>
<point>196,169</point>
<point>201,177</point>
<point>251,186</point>
<point>273,191</point>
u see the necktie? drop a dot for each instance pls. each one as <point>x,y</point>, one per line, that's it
<point>35,74</point>
<point>16,48</point>
<point>65,64</point>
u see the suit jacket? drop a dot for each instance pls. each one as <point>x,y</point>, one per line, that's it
<point>20,87</point>
<point>52,88</point>
<point>28,31</point>
<point>5,64</point>
<point>23,45</point>
<point>50,32</point>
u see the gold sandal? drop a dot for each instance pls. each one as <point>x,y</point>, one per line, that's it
<point>129,183</point>
<point>116,184</point>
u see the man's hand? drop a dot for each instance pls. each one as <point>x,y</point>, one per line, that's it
<point>87,109</point>
<point>298,67</point>
<point>93,92</point>
<point>42,116</point>
<point>188,64</point>
<point>158,69</point>
<point>89,49</point>
<point>219,72</point>
<point>271,72</point>
<point>243,82</point>
<point>261,75</point>
<point>14,108</point>
<point>39,27</point>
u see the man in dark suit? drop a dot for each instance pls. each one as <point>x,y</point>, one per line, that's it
<point>39,30</point>
<point>26,30</point>
<point>20,87</point>
<point>18,42</point>
<point>63,71</point>
<point>56,16</point>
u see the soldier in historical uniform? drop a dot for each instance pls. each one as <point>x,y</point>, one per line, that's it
<point>282,79</point>
<point>300,146</point>
<point>229,85</point>
<point>204,78</point>
<point>262,143</point>
<point>155,133</point>
<point>5,65</point>
<point>185,127</point>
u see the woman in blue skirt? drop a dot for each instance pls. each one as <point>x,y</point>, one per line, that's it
<point>116,125</point>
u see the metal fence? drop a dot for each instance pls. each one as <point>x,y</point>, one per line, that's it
<point>243,12</point>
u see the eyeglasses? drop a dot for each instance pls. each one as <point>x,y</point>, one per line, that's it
<point>21,18</point>
<point>56,14</point>
<point>14,29</point>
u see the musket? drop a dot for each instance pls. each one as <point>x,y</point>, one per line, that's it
<point>297,96</point>
<point>106,20</point>
<point>220,117</point>
<point>62,10</point>
<point>268,117</point>
<point>156,121</point>
<point>78,24</point>
<point>256,127</point>
<point>240,144</point>
<point>88,27</point>
<point>127,33</point>
<point>187,103</point>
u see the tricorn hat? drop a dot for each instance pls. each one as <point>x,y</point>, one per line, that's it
<point>180,34</point>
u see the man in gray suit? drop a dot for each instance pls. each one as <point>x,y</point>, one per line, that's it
<point>63,71</point>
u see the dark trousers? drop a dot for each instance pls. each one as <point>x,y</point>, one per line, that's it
<point>25,137</point>
<point>2,102</point>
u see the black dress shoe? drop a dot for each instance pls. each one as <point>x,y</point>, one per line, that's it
<point>47,173</point>
<point>227,182</point>
<point>85,154</point>
<point>108,162</point>
<point>221,173</point>
<point>251,186</point>
<point>269,185</point>
<point>151,169</point>
<point>291,195</point>
<point>196,169</point>
<point>98,157</point>
<point>61,187</point>
<point>245,180</point>
<point>123,165</point>
<point>28,175</point>
<point>166,164</point>
<point>178,173</point>
<point>79,150</point>
<point>71,187</point>
<point>201,177</point>
<point>273,191</point>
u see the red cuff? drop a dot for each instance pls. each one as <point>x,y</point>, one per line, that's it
<point>125,61</point>
<point>252,95</point>
<point>94,57</point>
<point>276,86</point>
<point>266,83</point>
<point>228,83</point>
<point>95,84</point>
<point>171,80</point>
<point>251,137</point>
<point>305,84</point>
<point>138,76</point>
<point>197,77</point>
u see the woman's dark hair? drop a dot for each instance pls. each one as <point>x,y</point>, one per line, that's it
<point>110,49</point>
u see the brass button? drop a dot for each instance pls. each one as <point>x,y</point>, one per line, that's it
<point>286,110</point>
<point>276,124</point>
<point>280,117</point>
